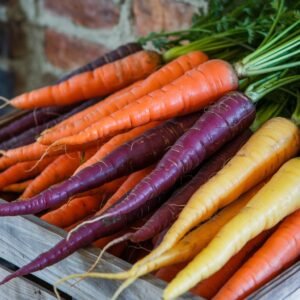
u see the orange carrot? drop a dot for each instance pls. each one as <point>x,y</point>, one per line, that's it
<point>63,126</point>
<point>74,210</point>
<point>210,286</point>
<point>60,169</point>
<point>279,252</point>
<point>163,76</point>
<point>32,152</point>
<point>80,207</point>
<point>99,82</point>
<point>22,171</point>
<point>115,142</point>
<point>115,250</point>
<point>128,184</point>
<point>17,187</point>
<point>190,92</point>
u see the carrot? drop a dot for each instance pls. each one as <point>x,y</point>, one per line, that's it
<point>231,115</point>
<point>166,215</point>
<point>81,207</point>
<point>128,184</point>
<point>115,142</point>
<point>277,199</point>
<point>32,119</point>
<point>157,80</point>
<point>120,52</point>
<point>17,187</point>
<point>273,144</point>
<point>110,186</point>
<point>29,136</point>
<point>210,286</point>
<point>190,92</point>
<point>41,116</point>
<point>34,151</point>
<point>74,210</point>
<point>189,246</point>
<point>60,169</point>
<point>130,157</point>
<point>96,83</point>
<point>115,250</point>
<point>22,171</point>
<point>280,251</point>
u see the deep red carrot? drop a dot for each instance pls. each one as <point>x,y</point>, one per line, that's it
<point>99,82</point>
<point>169,211</point>
<point>109,57</point>
<point>132,156</point>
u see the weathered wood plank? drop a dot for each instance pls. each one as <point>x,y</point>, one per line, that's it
<point>285,286</point>
<point>23,238</point>
<point>23,289</point>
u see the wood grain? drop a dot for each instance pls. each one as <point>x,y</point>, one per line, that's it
<point>23,289</point>
<point>23,238</point>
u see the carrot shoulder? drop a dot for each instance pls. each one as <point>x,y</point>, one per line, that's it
<point>99,82</point>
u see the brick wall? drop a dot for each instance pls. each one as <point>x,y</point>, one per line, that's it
<point>42,39</point>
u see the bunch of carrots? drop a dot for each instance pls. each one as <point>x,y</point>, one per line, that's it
<point>192,152</point>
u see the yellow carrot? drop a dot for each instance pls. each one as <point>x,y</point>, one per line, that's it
<point>274,143</point>
<point>276,200</point>
<point>189,246</point>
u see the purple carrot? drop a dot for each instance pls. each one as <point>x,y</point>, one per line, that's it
<point>224,120</point>
<point>112,56</point>
<point>83,237</point>
<point>42,115</point>
<point>230,116</point>
<point>130,157</point>
<point>168,212</point>
<point>29,136</point>
<point>34,118</point>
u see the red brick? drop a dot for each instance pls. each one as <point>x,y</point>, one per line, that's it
<point>89,13</point>
<point>157,15</point>
<point>68,52</point>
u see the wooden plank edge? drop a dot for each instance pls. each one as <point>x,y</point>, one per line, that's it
<point>20,235</point>
<point>23,289</point>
